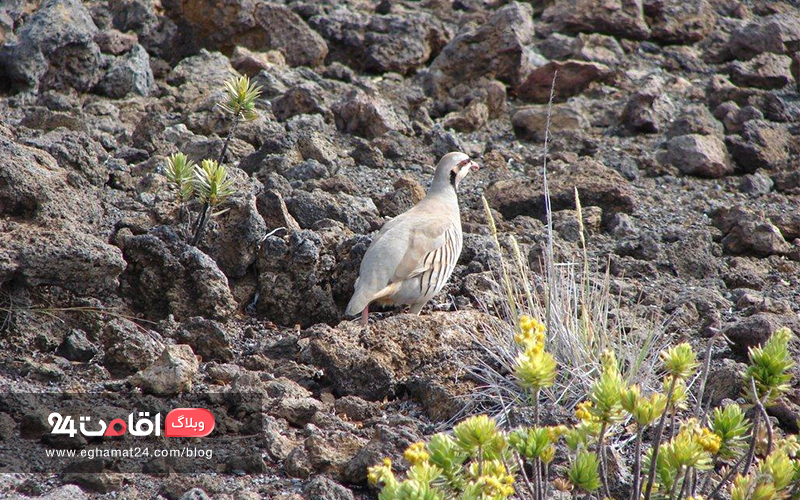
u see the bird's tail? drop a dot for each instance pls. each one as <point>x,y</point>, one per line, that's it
<point>357,302</point>
<point>356,305</point>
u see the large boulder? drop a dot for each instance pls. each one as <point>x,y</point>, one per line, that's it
<point>499,49</point>
<point>399,42</point>
<point>50,228</point>
<point>167,276</point>
<point>624,18</point>
<point>253,24</point>
<point>700,155</point>
<point>597,185</point>
<point>777,33</point>
<point>423,354</point>
<point>55,49</point>
<point>679,22</point>
<point>307,276</point>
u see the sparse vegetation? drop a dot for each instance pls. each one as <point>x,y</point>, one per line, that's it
<point>209,182</point>
<point>482,461</point>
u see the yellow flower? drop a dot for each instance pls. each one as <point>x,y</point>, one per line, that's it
<point>708,440</point>
<point>416,454</point>
<point>382,473</point>
<point>584,412</point>
<point>530,334</point>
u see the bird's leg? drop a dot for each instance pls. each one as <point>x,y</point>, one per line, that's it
<point>365,316</point>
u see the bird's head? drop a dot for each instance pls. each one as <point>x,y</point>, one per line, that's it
<point>451,170</point>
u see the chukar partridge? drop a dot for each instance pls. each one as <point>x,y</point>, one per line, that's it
<point>413,255</point>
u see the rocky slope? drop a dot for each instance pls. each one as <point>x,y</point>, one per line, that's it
<point>676,121</point>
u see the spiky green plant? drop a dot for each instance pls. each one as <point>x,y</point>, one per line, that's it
<point>240,102</point>
<point>180,173</point>
<point>769,368</point>
<point>731,425</point>
<point>212,183</point>
<point>241,95</point>
<point>583,471</point>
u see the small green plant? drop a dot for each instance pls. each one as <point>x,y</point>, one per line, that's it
<point>180,174</point>
<point>583,471</point>
<point>209,182</point>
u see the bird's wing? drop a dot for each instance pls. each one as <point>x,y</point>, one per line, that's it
<point>423,241</point>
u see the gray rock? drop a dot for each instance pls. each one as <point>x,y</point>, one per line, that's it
<point>171,374</point>
<point>127,348</point>
<point>355,408</point>
<point>624,18</point>
<point>695,119</point>
<point>734,118</point>
<point>129,74</point>
<point>75,150</point>
<point>497,49</point>
<point>752,331</point>
<point>255,25</point>
<point>700,155</point>
<point>529,121</point>
<point>233,237</point>
<point>195,494</point>
<point>76,261</point>
<point>155,31</point>
<point>649,109</point>
<point>286,31</point>
<point>598,48</point>
<point>756,184</point>
<point>305,98</point>
<point>207,71</point>
<point>115,42</point>
<point>322,488</point>
<point>207,338</point>
<point>747,232</point>
<point>762,144</point>
<point>470,119</point>
<point>385,442</point>
<point>76,347</point>
<point>407,193</point>
<point>765,71</point>
<point>777,33</point>
<point>307,170</point>
<point>66,492</point>
<point>366,115</point>
<point>675,21</point>
<point>55,49</point>
<point>597,184</point>
<point>308,277</point>
<point>622,226</point>
<point>399,42</point>
<point>724,380</point>
<point>314,146</point>
<point>573,78</point>
<point>166,276</point>
<point>358,214</point>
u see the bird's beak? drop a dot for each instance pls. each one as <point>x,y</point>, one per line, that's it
<point>475,166</point>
